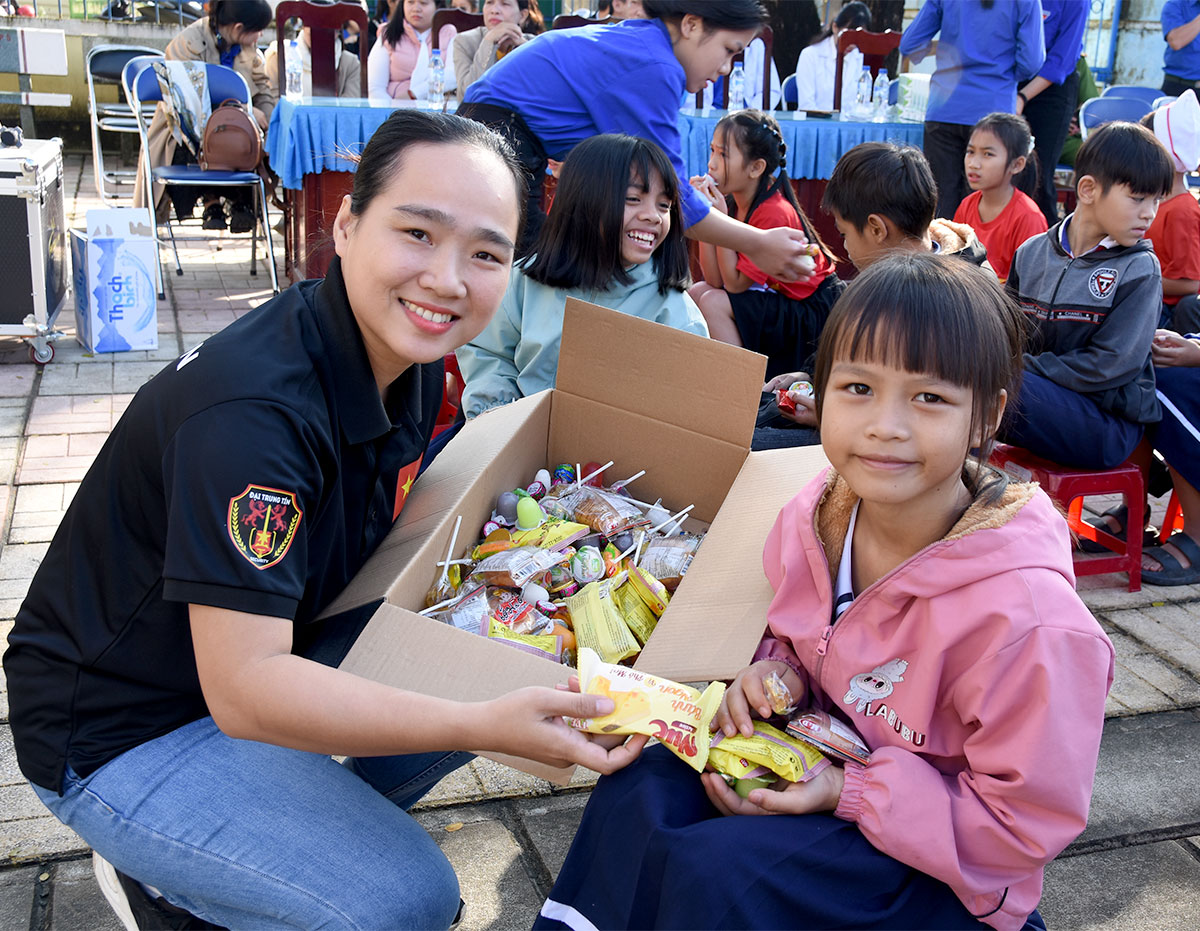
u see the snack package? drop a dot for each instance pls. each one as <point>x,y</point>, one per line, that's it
<point>675,714</point>
<point>547,646</point>
<point>668,558</point>
<point>470,612</point>
<point>778,694</point>
<point>605,512</point>
<point>552,535</point>
<point>513,568</point>
<point>829,735</point>
<point>598,624</point>
<point>515,613</point>
<point>650,589</point>
<point>792,759</point>
<point>637,614</point>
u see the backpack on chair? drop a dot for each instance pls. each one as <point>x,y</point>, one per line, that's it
<point>232,140</point>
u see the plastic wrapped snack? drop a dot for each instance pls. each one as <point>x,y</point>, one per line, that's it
<point>513,568</point>
<point>677,715</point>
<point>637,614</point>
<point>668,558</point>
<point>598,623</point>
<point>778,694</point>
<point>650,589</point>
<point>470,612</point>
<point>547,646</point>
<point>604,511</point>
<point>791,759</point>
<point>552,535</point>
<point>515,613</point>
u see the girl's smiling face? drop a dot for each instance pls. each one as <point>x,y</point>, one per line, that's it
<point>427,262</point>
<point>647,219</point>
<point>899,438</point>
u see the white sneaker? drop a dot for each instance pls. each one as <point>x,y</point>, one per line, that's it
<point>114,891</point>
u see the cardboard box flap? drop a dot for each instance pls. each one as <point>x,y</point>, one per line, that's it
<point>711,629</point>
<point>396,646</point>
<point>494,444</point>
<point>634,365</point>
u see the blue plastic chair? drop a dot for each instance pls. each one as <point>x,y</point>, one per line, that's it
<point>789,96</point>
<point>105,65</point>
<point>1148,94</point>
<point>223,84</point>
<point>1100,110</point>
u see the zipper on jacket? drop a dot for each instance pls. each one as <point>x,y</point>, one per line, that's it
<point>822,648</point>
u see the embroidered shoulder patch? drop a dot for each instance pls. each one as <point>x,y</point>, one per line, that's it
<point>262,523</point>
<point>1102,282</point>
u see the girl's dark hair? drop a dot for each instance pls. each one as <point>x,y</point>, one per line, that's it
<point>935,314</point>
<point>534,23</point>
<point>1014,134</point>
<point>757,135</point>
<point>384,152</point>
<point>395,24</point>
<point>1129,154</point>
<point>854,15</point>
<point>717,14</point>
<point>253,14</point>
<point>580,243</point>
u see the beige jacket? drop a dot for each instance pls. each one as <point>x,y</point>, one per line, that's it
<point>197,43</point>
<point>473,55</point>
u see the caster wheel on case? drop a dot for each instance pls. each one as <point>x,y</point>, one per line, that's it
<point>40,355</point>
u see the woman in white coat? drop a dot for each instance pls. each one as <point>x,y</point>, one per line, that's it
<point>817,65</point>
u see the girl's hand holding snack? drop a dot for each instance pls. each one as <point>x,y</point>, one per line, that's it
<point>821,793</point>
<point>708,187</point>
<point>1169,349</point>
<point>746,696</point>
<point>805,413</point>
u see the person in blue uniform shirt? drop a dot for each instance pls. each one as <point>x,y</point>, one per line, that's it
<point>1181,58</point>
<point>173,691</point>
<point>572,84</point>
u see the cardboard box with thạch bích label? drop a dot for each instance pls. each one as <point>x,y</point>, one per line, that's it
<point>648,397</point>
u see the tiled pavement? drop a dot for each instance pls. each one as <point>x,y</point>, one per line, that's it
<point>1138,865</point>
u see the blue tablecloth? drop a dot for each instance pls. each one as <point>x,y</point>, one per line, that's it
<point>317,135</point>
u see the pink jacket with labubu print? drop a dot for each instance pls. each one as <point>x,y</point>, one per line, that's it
<point>976,677</point>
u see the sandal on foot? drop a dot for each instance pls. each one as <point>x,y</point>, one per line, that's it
<point>1121,515</point>
<point>1173,572</point>
<point>214,217</point>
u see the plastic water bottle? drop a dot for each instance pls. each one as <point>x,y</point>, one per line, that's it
<point>737,88</point>
<point>852,63</point>
<point>862,95</point>
<point>295,72</point>
<point>437,80</point>
<point>879,96</point>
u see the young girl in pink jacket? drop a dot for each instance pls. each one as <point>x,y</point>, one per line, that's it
<point>923,600</point>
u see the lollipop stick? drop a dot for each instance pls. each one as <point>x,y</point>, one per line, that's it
<point>621,556</point>
<point>672,519</point>
<point>632,478</point>
<point>450,550</point>
<point>583,480</point>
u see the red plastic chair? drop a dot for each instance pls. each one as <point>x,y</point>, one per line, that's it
<point>875,46</point>
<point>1173,521</point>
<point>451,397</point>
<point>1068,487</point>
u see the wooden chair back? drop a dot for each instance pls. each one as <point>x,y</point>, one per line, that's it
<point>721,100</point>
<point>459,19</point>
<point>325,21</point>
<point>875,47</point>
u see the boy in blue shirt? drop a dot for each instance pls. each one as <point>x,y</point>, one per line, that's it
<point>1091,290</point>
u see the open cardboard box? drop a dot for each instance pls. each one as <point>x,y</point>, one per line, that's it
<point>648,397</point>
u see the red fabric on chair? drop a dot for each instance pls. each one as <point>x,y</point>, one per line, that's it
<point>875,46</point>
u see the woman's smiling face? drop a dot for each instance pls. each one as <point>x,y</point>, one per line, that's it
<point>427,262</point>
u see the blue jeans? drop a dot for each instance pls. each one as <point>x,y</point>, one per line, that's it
<point>249,835</point>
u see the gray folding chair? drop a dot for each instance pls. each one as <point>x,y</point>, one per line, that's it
<point>105,64</point>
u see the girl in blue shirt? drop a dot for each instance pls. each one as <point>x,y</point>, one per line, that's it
<point>572,84</point>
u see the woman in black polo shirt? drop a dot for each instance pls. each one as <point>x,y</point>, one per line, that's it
<point>157,705</point>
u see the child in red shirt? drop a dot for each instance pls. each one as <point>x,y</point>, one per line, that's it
<point>1175,231</point>
<point>1002,215</point>
<point>742,304</point>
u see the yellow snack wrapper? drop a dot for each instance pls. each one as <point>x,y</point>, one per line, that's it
<point>792,759</point>
<point>638,616</point>
<point>547,645</point>
<point>599,625</point>
<point>677,715</point>
<point>650,589</point>
<point>552,535</point>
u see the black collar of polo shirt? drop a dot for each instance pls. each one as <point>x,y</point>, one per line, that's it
<point>360,409</point>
